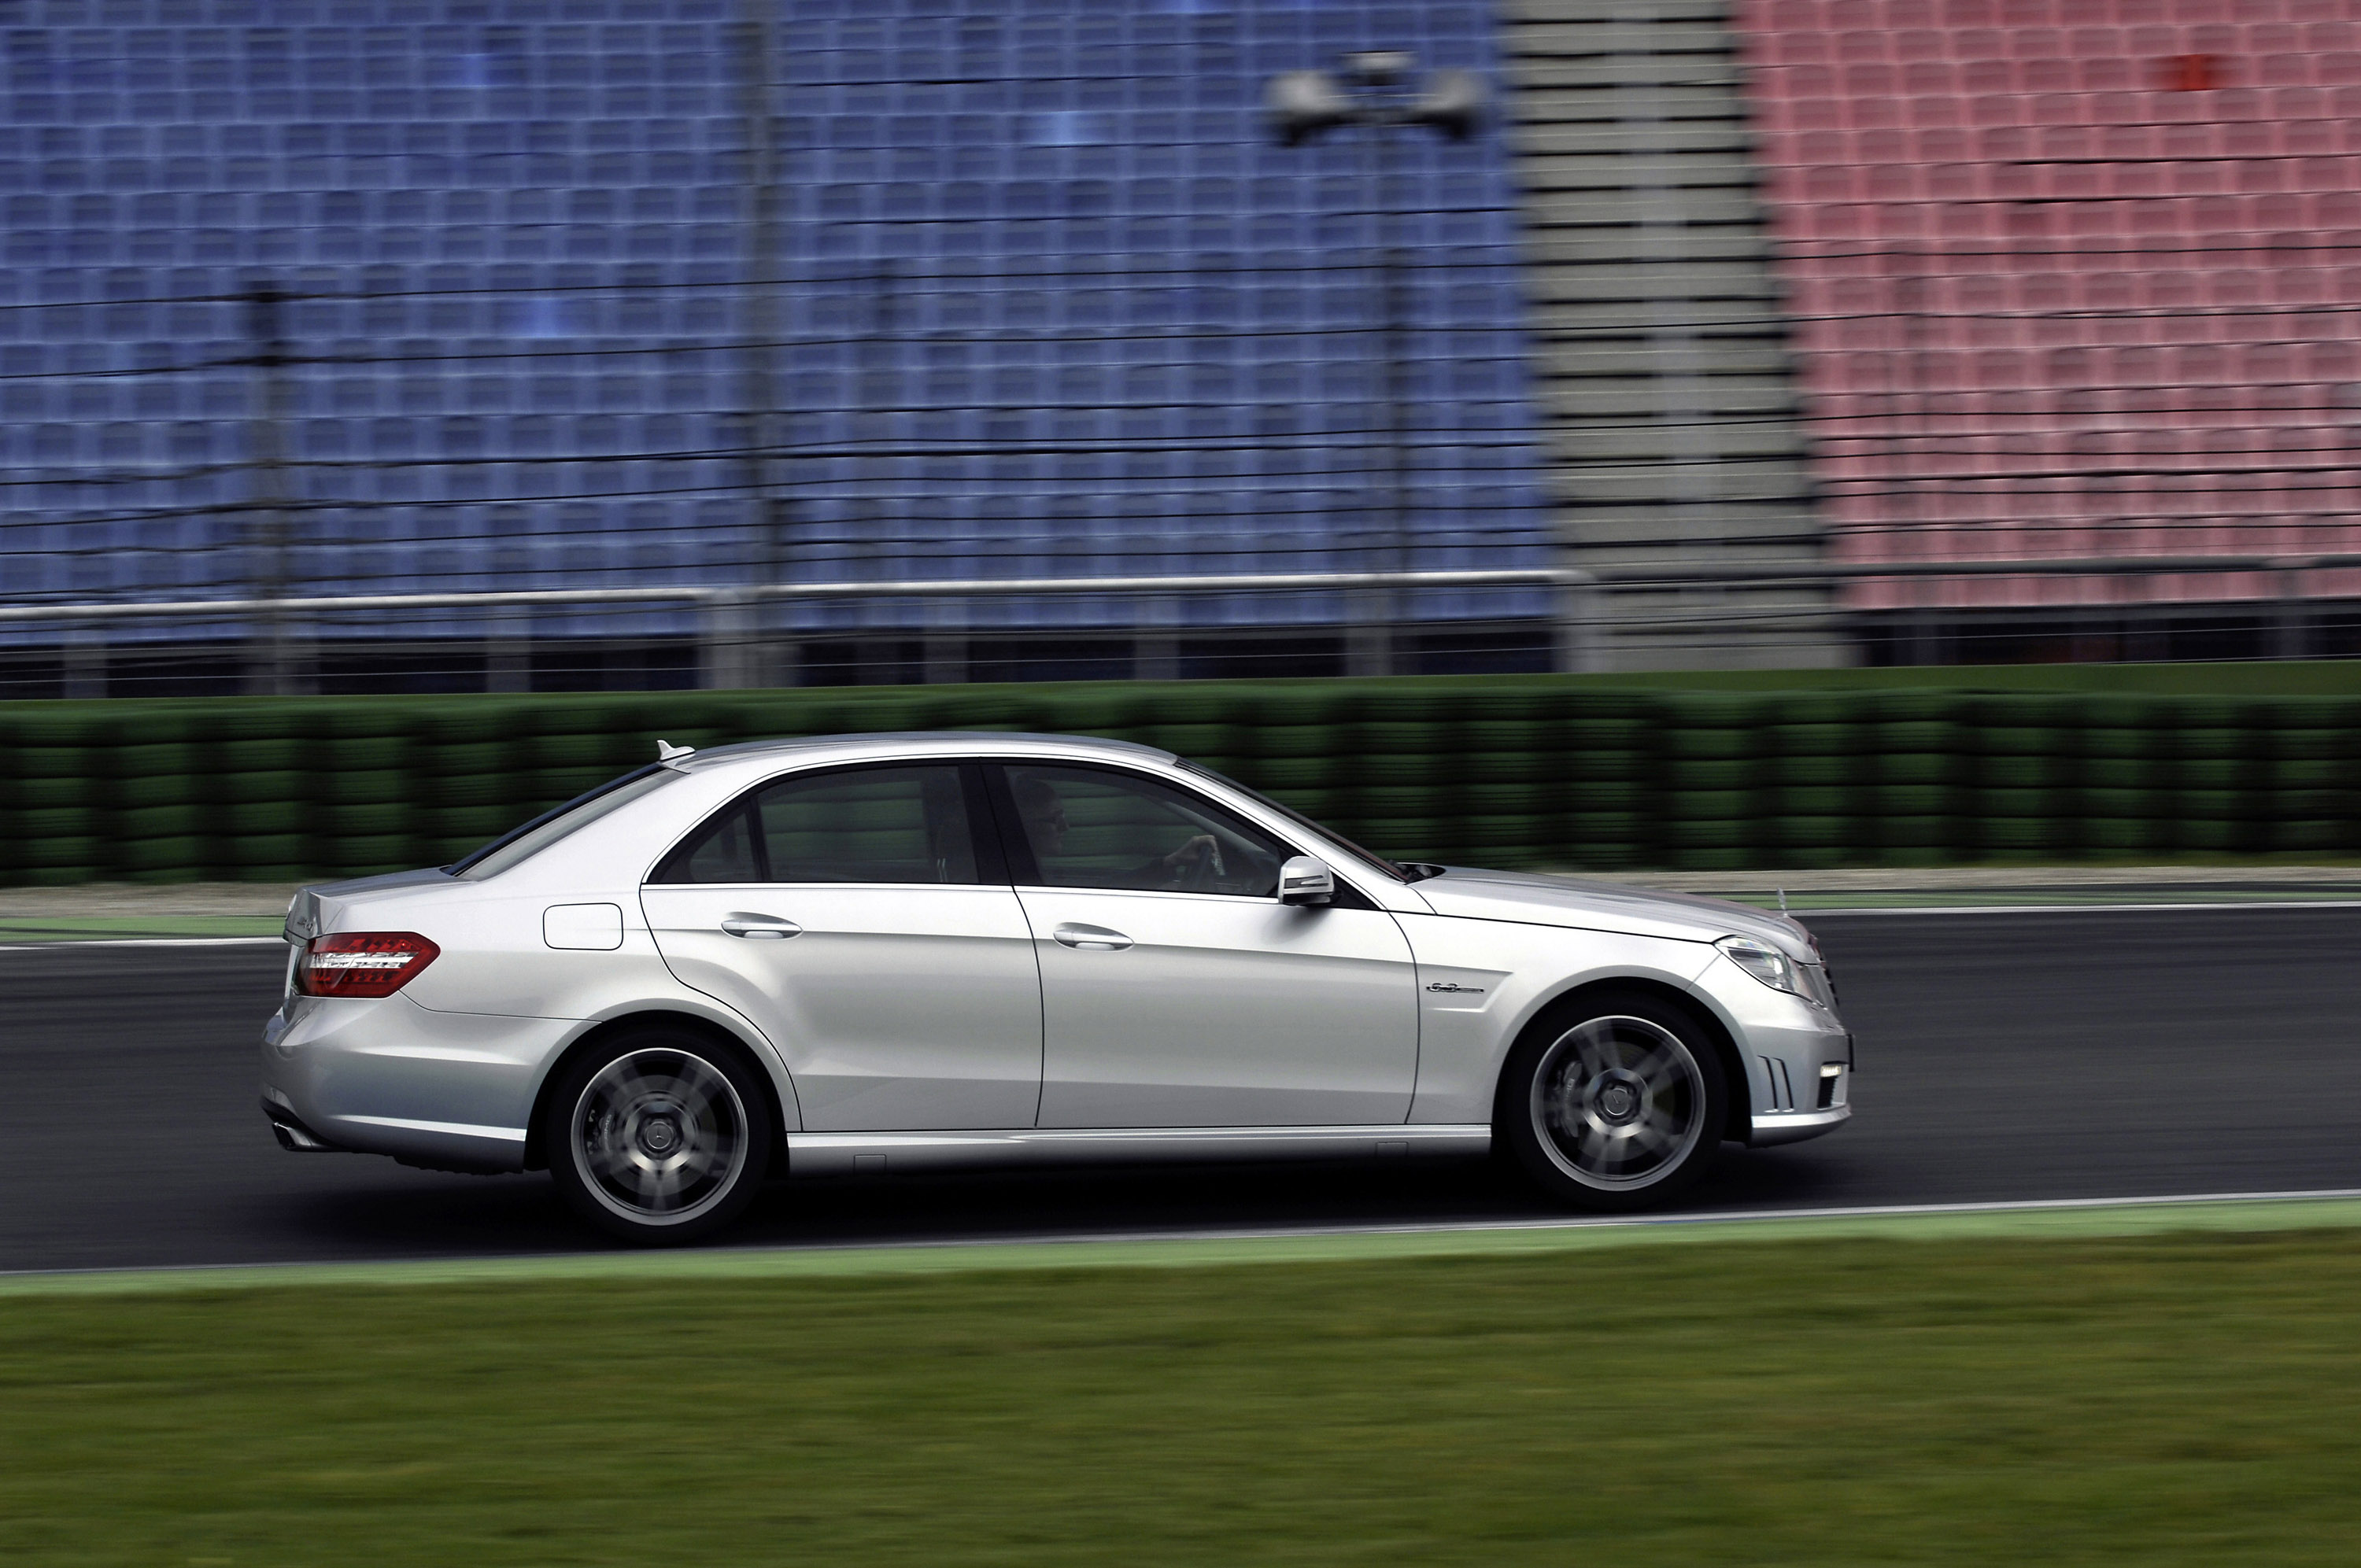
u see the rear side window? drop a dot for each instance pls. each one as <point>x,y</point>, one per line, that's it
<point>862,824</point>
<point>725,852</point>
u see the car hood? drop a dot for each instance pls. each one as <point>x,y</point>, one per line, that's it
<point>1594,905</point>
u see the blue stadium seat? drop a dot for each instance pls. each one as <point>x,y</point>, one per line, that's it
<point>1019,233</point>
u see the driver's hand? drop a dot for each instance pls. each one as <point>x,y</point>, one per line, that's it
<point>1197,850</point>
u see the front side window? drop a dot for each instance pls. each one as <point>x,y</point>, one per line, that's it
<point>1088,827</point>
<point>862,824</point>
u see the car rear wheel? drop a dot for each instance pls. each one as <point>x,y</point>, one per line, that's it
<point>1616,1103</point>
<point>659,1137</point>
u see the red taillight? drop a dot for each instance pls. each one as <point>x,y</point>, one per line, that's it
<point>363,963</point>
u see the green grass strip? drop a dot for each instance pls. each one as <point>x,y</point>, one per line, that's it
<point>130,927</point>
<point>2128,1219</point>
<point>1954,1398</point>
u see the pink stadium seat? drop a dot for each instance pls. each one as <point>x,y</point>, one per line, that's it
<point>1820,147</point>
<point>2063,137</point>
<point>1928,78</point>
<point>2106,74</point>
<point>1791,48</point>
<point>2218,38</point>
<point>2284,70</point>
<point>1817,114</point>
<point>1864,46</point>
<point>1794,82</point>
<point>1829,183</point>
<point>1762,18</point>
<point>2057,271</point>
<point>2309,133</point>
<point>2331,179</point>
<point>2053,74</point>
<point>2073,182</point>
<point>1984,77</point>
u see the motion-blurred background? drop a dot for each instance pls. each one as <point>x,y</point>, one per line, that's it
<point>1808,332</point>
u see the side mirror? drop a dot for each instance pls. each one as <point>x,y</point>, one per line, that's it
<point>1304,880</point>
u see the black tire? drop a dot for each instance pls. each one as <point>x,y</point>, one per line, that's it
<point>659,1137</point>
<point>1614,1101</point>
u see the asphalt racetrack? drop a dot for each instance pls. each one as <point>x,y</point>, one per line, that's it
<point>2097,1053</point>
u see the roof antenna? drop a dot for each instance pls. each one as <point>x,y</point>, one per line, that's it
<point>1783,901</point>
<point>668,752</point>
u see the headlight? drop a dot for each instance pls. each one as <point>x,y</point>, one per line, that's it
<point>1764,961</point>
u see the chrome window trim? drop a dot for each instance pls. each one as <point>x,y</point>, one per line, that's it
<point>738,795</point>
<point>1171,774</point>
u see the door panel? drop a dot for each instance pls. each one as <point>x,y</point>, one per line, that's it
<point>1183,1010</point>
<point>848,912</point>
<point>909,1008</point>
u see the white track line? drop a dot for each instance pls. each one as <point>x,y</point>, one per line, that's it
<point>1801,913</point>
<point>1599,1222</point>
<point>1291,1232</point>
<point>141,942</point>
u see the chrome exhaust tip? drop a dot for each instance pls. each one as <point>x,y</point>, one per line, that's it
<point>292,1135</point>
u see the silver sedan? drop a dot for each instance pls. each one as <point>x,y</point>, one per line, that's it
<point>911,952</point>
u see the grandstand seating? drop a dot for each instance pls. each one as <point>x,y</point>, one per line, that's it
<point>1049,303</point>
<point>2070,279</point>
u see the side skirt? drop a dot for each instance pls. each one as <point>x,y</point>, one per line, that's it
<point>827,1154</point>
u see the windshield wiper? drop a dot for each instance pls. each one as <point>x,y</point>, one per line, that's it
<point>1417,871</point>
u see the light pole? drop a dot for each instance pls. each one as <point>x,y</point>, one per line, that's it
<point>1378,90</point>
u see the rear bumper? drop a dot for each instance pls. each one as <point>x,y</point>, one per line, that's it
<point>449,1089</point>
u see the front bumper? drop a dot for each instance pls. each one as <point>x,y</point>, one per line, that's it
<point>449,1089</point>
<point>1794,1127</point>
<point>1796,1055</point>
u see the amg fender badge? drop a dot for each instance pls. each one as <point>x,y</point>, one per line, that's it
<point>1449,989</point>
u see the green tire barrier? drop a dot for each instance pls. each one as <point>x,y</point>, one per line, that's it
<point>1528,771</point>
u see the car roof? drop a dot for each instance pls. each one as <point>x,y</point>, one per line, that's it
<point>920,742</point>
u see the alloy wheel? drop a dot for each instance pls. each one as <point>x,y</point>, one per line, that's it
<point>659,1137</point>
<point>1618,1102</point>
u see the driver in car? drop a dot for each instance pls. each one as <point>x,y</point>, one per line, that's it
<point>1045,826</point>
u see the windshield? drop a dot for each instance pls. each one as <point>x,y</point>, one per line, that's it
<point>1375,861</point>
<point>519,844</point>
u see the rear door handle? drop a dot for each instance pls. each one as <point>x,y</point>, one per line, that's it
<point>1092,938</point>
<point>760,927</point>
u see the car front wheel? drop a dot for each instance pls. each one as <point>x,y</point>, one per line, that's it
<point>1615,1104</point>
<point>659,1137</point>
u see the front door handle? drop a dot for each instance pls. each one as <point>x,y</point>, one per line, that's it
<point>760,927</point>
<point>1092,938</point>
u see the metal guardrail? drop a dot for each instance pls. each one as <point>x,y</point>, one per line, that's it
<point>1243,582</point>
<point>943,587</point>
<point>732,635</point>
<point>733,642</point>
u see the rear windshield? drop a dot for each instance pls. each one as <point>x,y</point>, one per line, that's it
<point>520,844</point>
